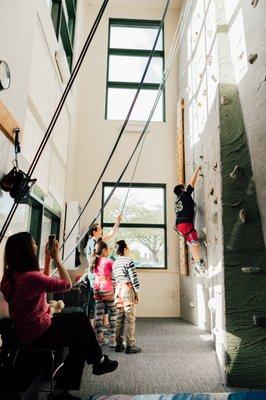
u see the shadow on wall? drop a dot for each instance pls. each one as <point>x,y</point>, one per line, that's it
<point>243,248</point>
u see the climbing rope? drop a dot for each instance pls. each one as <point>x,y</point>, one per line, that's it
<point>125,122</point>
<point>171,58</point>
<point>54,119</point>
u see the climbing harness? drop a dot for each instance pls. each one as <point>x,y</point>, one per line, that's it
<point>172,54</point>
<point>53,120</point>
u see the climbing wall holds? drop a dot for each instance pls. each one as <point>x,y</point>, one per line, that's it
<point>236,173</point>
<point>252,58</point>
<point>243,216</point>
<point>214,218</point>
<point>224,100</point>
<point>214,166</point>
<point>215,200</point>
<point>251,270</point>
<point>254,3</point>
<point>261,82</point>
<point>211,192</point>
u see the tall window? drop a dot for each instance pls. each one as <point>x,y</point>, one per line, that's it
<point>63,17</point>
<point>129,46</point>
<point>144,221</point>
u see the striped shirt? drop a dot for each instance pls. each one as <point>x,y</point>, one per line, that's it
<point>124,270</point>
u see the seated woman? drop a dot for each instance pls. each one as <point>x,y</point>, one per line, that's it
<point>126,297</point>
<point>24,287</point>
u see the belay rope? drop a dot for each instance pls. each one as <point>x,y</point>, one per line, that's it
<point>126,120</point>
<point>171,58</point>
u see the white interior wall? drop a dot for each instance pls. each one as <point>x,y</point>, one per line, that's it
<point>28,44</point>
<point>96,136</point>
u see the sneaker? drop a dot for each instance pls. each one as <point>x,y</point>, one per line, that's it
<point>132,349</point>
<point>104,367</point>
<point>199,267</point>
<point>119,348</point>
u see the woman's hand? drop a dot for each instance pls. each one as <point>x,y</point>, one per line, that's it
<point>54,254</point>
<point>136,298</point>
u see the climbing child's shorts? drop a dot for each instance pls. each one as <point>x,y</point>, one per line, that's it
<point>187,230</point>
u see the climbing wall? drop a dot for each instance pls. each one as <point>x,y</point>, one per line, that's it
<point>244,253</point>
<point>222,79</point>
<point>244,250</point>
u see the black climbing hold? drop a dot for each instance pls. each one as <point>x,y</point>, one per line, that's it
<point>243,216</point>
<point>236,173</point>
<point>254,3</point>
<point>211,191</point>
<point>252,58</point>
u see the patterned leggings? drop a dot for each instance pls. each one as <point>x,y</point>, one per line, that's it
<point>99,314</point>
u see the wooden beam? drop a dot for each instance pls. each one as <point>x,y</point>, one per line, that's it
<point>183,253</point>
<point>8,122</point>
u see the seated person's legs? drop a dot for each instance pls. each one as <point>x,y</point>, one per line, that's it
<point>75,331</point>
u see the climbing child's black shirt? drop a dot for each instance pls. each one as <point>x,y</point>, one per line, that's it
<point>184,206</point>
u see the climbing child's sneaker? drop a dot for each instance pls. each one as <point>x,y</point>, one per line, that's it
<point>200,267</point>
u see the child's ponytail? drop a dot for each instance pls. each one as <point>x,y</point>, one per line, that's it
<point>99,247</point>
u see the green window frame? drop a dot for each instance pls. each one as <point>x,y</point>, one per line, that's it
<point>64,26</point>
<point>161,226</point>
<point>134,23</point>
<point>38,211</point>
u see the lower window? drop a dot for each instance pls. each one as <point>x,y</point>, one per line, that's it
<point>143,226</point>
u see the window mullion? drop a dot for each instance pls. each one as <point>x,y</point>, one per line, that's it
<point>133,85</point>
<point>134,52</point>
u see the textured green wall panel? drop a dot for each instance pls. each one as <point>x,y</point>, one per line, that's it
<point>245,294</point>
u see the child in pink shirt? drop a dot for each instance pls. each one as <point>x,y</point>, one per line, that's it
<point>103,290</point>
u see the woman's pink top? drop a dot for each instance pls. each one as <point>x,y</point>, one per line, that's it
<point>28,308</point>
<point>103,275</point>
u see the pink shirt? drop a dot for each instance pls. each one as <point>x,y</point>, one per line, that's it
<point>28,307</point>
<point>103,275</point>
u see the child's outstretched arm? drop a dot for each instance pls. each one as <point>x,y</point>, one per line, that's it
<point>114,229</point>
<point>193,179</point>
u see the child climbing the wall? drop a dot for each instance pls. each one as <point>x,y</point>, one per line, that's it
<point>184,224</point>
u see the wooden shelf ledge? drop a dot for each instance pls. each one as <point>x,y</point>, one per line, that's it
<point>7,122</point>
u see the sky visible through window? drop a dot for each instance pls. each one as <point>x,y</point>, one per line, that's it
<point>129,48</point>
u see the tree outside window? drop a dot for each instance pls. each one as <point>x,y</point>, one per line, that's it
<point>144,221</point>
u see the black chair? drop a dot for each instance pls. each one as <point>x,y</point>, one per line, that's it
<point>76,299</point>
<point>15,356</point>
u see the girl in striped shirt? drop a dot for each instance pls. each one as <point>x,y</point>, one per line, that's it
<point>126,296</point>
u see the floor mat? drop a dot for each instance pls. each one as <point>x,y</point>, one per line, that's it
<point>261,395</point>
